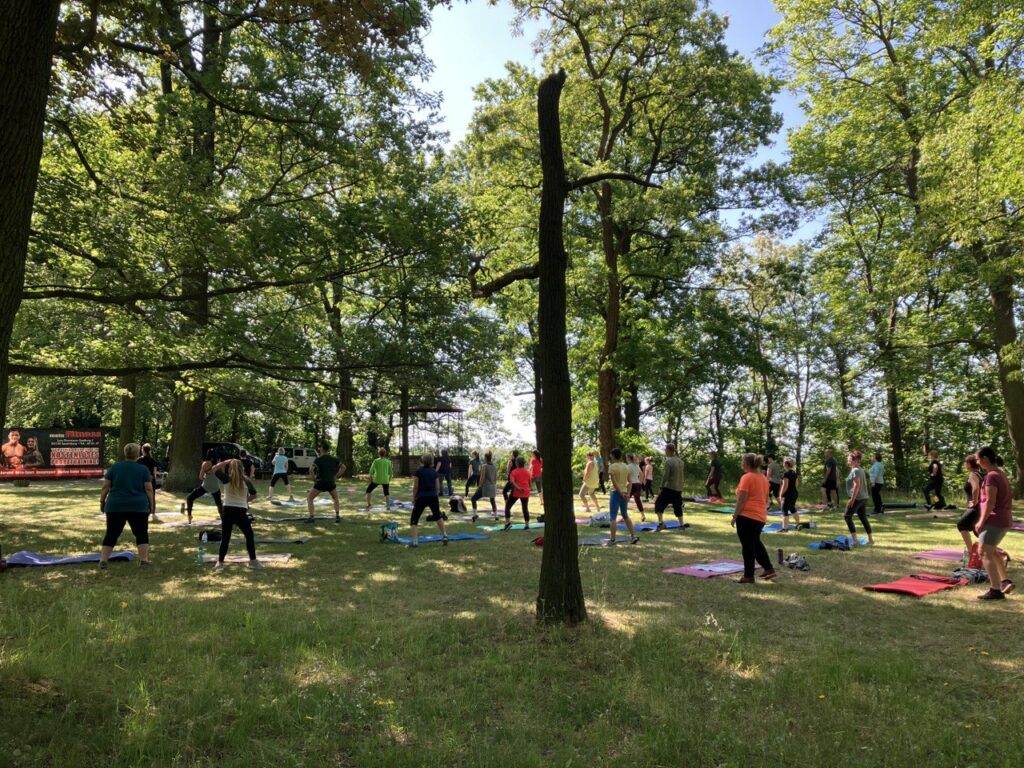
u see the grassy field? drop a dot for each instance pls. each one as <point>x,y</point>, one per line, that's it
<point>368,654</point>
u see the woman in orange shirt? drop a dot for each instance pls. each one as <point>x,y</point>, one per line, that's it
<point>750,516</point>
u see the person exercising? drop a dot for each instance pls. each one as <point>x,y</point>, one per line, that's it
<point>326,470</point>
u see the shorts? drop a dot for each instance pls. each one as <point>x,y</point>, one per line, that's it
<point>138,521</point>
<point>618,505</point>
<point>280,476</point>
<point>325,485</point>
<point>968,520</point>
<point>991,536</point>
<point>789,505</point>
<point>774,489</point>
<point>538,484</point>
<point>422,503</point>
<point>385,486</point>
<point>667,496</point>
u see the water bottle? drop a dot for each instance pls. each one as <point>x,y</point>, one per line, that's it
<point>201,557</point>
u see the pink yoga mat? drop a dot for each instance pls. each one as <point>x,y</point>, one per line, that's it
<point>708,570</point>
<point>1017,527</point>
<point>952,555</point>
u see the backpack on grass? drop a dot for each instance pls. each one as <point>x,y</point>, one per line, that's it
<point>389,531</point>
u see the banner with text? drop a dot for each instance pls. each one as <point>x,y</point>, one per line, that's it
<point>49,453</point>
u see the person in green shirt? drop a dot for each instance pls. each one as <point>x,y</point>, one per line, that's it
<point>325,471</point>
<point>381,472</point>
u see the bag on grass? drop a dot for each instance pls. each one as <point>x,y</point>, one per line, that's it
<point>457,505</point>
<point>601,519</point>
<point>211,535</point>
<point>389,531</point>
<point>975,561</point>
<point>539,541</point>
<point>799,562</point>
<point>973,575</point>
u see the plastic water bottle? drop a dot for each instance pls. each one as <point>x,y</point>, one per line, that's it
<point>201,557</point>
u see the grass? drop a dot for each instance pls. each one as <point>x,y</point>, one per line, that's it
<point>368,654</point>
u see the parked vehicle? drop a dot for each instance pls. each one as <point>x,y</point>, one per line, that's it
<point>300,459</point>
<point>223,450</point>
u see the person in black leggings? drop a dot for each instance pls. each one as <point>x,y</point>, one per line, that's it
<point>509,466</point>
<point>972,489</point>
<point>208,483</point>
<point>520,479</point>
<point>714,481</point>
<point>934,484</point>
<point>426,488</point>
<point>238,491</point>
<point>857,491</point>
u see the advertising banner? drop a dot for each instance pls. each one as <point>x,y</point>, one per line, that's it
<point>50,453</point>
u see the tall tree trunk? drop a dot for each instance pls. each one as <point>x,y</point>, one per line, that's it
<point>1011,378</point>
<point>128,412</point>
<point>560,592</point>
<point>538,388</point>
<point>345,440</point>
<point>896,438</point>
<point>189,431</point>
<point>27,33</point>
<point>403,406</point>
<point>631,407</point>
<point>609,416</point>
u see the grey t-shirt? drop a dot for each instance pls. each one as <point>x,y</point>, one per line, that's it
<point>775,473</point>
<point>857,472</point>
<point>673,474</point>
<point>488,480</point>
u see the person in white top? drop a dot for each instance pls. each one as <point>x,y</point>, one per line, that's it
<point>238,491</point>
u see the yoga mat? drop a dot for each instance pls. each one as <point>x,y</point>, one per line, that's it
<point>436,538</point>
<point>1017,527</point>
<point>299,540</point>
<point>708,570</point>
<point>918,584</point>
<point>302,502</point>
<point>863,540</point>
<point>237,557</point>
<point>193,524</point>
<point>952,555</point>
<point>601,541</point>
<point>515,527</point>
<point>777,527</point>
<point>652,526</point>
<point>936,515</point>
<point>899,505</point>
<point>778,512</point>
<point>28,559</point>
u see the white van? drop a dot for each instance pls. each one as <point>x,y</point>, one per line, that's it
<point>299,459</point>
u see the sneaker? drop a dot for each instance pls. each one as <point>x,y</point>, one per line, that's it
<point>474,518</point>
<point>769,575</point>
<point>219,566</point>
<point>526,527</point>
<point>444,541</point>
<point>745,580</point>
<point>508,527</point>
<point>337,519</point>
<point>145,563</point>
<point>103,565</point>
<point>992,594</point>
<point>661,527</point>
<point>635,540</point>
<point>255,565</point>
<point>1007,586</point>
<point>611,543</point>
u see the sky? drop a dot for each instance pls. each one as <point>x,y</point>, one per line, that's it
<point>470,42</point>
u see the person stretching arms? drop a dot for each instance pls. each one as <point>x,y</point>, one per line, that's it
<point>488,485</point>
<point>972,488</point>
<point>238,492</point>
<point>520,479</point>
<point>426,488</point>
<point>789,493</point>
<point>381,473</point>
<point>671,488</point>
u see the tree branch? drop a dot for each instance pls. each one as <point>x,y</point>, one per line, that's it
<point>584,181</point>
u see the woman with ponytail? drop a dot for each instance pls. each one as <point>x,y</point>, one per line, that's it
<point>857,491</point>
<point>237,492</point>
<point>972,489</point>
<point>993,523</point>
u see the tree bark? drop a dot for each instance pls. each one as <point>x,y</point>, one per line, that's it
<point>607,377</point>
<point>27,34</point>
<point>896,438</point>
<point>128,412</point>
<point>189,431</point>
<point>345,440</point>
<point>560,592</point>
<point>1011,378</point>
<point>631,407</point>
<point>404,416</point>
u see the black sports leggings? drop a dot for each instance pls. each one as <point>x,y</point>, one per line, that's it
<point>474,480</point>
<point>749,532</point>
<point>934,485</point>
<point>511,502</point>
<point>876,497</point>
<point>858,508</point>
<point>712,487</point>
<point>138,521</point>
<point>232,516</point>
<point>479,495</point>
<point>200,491</point>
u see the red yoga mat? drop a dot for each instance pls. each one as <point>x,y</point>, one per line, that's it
<point>918,584</point>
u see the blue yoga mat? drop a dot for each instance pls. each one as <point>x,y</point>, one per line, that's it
<point>303,519</point>
<point>821,544</point>
<point>27,558</point>
<point>301,502</point>
<point>437,537</point>
<point>651,526</point>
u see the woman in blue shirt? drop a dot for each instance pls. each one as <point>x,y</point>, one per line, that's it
<point>127,499</point>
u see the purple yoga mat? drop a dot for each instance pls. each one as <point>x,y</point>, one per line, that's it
<point>952,555</point>
<point>27,558</point>
<point>708,570</point>
<point>1017,527</point>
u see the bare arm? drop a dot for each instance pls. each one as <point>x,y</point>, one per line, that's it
<point>741,499</point>
<point>415,486</point>
<point>987,510</point>
<point>152,498</point>
<point>103,494</point>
